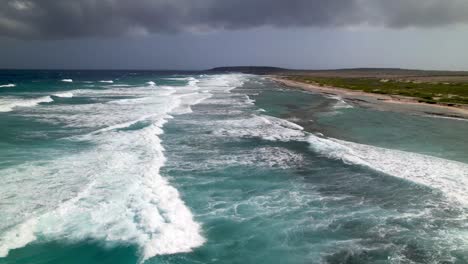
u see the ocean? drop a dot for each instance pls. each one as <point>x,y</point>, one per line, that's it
<point>185,167</point>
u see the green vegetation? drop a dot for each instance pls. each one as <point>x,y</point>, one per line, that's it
<point>428,92</point>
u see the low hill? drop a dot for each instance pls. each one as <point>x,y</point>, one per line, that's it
<point>382,73</point>
<point>250,69</point>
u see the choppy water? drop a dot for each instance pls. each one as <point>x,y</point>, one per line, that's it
<point>165,167</point>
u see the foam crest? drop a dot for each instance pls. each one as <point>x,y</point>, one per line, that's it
<point>104,114</point>
<point>192,81</point>
<point>112,192</point>
<point>120,85</point>
<point>8,104</point>
<point>222,83</point>
<point>67,80</point>
<point>124,125</point>
<point>189,99</point>
<point>340,104</point>
<point>17,238</point>
<point>106,81</point>
<point>125,200</point>
<point>261,126</point>
<point>448,176</point>
<point>130,101</point>
<point>7,85</point>
<point>64,95</point>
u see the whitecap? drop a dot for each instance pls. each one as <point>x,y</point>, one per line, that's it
<point>123,199</point>
<point>67,80</point>
<point>120,85</point>
<point>340,104</point>
<point>114,192</point>
<point>8,85</point>
<point>189,99</point>
<point>260,126</point>
<point>7,104</point>
<point>106,81</point>
<point>64,94</point>
<point>450,177</point>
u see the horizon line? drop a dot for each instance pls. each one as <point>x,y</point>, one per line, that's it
<point>238,66</point>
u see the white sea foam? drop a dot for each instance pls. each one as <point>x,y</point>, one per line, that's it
<point>270,157</point>
<point>64,94</point>
<point>260,126</point>
<point>125,199</point>
<point>448,176</point>
<point>235,105</point>
<point>113,192</point>
<point>130,101</point>
<point>151,83</point>
<point>126,124</point>
<point>106,81</point>
<point>7,104</point>
<point>192,81</point>
<point>67,80</point>
<point>189,99</point>
<point>221,83</point>
<point>249,101</point>
<point>179,78</point>
<point>7,85</point>
<point>340,104</point>
<point>120,85</point>
<point>22,235</point>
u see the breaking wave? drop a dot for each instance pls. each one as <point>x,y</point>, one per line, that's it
<point>64,95</point>
<point>340,103</point>
<point>448,176</point>
<point>8,104</point>
<point>261,126</point>
<point>113,192</point>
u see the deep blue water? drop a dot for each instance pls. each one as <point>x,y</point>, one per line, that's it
<point>180,167</point>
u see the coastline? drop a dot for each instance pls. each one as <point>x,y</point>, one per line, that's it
<point>379,101</point>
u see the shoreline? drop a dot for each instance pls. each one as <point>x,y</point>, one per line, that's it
<point>383,102</point>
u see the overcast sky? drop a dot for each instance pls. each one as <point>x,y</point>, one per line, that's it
<point>199,34</point>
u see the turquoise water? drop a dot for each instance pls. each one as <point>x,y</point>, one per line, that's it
<point>167,167</point>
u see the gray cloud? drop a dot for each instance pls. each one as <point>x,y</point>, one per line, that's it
<point>40,19</point>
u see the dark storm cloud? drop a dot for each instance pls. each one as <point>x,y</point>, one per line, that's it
<point>77,18</point>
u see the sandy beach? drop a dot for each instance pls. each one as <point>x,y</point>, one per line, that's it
<point>380,101</point>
